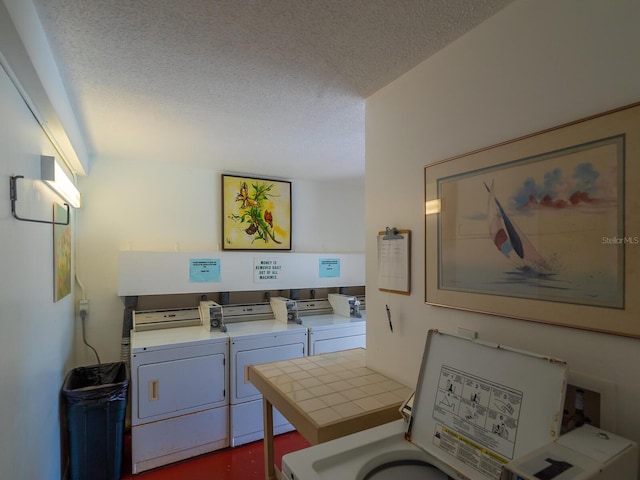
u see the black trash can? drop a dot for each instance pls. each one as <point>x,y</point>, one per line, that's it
<point>95,400</point>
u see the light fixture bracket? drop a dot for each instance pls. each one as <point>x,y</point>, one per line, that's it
<point>13,194</point>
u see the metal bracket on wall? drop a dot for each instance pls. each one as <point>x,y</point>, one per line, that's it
<point>13,193</point>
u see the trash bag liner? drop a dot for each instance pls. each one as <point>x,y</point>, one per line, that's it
<point>105,382</point>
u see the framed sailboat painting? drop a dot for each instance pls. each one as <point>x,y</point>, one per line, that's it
<point>543,228</point>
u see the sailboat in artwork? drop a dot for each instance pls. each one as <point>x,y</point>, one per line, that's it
<point>511,242</point>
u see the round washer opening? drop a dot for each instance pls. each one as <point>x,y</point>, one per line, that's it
<point>406,470</point>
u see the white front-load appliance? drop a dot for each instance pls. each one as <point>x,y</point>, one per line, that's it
<point>254,342</point>
<point>585,453</point>
<point>476,407</point>
<point>332,333</point>
<point>179,400</point>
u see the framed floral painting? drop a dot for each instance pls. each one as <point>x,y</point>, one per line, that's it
<point>256,213</point>
<point>61,254</point>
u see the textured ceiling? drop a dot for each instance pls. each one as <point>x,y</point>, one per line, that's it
<point>269,87</point>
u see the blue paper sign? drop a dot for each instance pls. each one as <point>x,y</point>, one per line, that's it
<point>204,270</point>
<point>329,267</point>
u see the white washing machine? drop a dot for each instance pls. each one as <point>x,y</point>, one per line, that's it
<point>585,453</point>
<point>330,331</point>
<point>477,406</point>
<point>254,342</point>
<point>179,401</point>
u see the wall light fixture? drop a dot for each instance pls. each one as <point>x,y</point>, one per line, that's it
<point>55,177</point>
<point>432,206</point>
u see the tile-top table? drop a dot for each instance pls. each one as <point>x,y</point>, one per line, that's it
<point>325,397</point>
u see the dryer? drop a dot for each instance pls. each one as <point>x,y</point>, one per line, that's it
<point>477,406</point>
<point>179,399</point>
<point>330,331</point>
<point>256,337</point>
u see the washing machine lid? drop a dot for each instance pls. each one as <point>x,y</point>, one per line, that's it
<point>330,321</point>
<point>479,405</point>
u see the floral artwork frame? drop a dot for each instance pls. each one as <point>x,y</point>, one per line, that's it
<point>544,228</point>
<point>256,213</point>
<point>61,254</point>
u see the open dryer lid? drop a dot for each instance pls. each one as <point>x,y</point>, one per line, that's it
<point>479,405</point>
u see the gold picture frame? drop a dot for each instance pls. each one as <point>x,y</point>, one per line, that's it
<point>544,228</point>
<point>256,213</point>
<point>61,254</point>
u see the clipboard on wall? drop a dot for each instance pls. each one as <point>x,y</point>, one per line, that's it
<point>394,261</point>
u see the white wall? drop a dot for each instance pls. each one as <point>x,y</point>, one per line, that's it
<point>25,48</point>
<point>127,205</point>
<point>534,65</point>
<point>35,333</point>
<point>131,205</point>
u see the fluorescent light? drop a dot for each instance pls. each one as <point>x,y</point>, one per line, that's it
<point>53,175</point>
<point>432,206</point>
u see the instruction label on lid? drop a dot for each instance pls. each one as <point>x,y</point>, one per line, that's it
<point>484,404</point>
<point>468,452</point>
<point>479,417</point>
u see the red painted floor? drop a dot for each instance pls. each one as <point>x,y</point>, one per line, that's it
<point>239,463</point>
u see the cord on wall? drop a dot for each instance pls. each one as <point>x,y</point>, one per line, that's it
<point>83,316</point>
<point>83,304</point>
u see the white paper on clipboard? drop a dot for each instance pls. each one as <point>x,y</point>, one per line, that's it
<point>394,255</point>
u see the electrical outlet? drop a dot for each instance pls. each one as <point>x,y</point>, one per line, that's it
<point>83,307</point>
<point>590,405</point>
<point>599,398</point>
